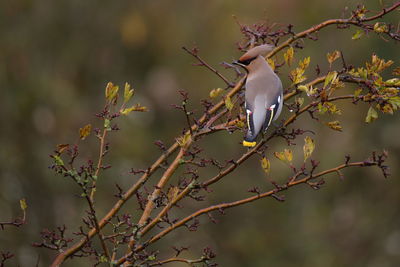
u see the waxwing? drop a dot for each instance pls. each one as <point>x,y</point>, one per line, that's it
<point>263,92</point>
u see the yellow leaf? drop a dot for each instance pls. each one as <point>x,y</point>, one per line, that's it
<point>304,63</point>
<point>335,125</point>
<point>137,108</point>
<point>288,155</point>
<point>228,103</point>
<point>308,147</point>
<point>172,193</point>
<point>393,82</point>
<point>380,27</point>
<point>299,101</point>
<point>265,164</point>
<point>330,78</point>
<point>128,92</point>
<point>396,71</point>
<point>85,131</point>
<point>271,63</point>
<point>357,92</point>
<point>332,56</point>
<point>296,76</point>
<point>183,140</point>
<point>62,147</point>
<point>288,55</point>
<point>22,204</point>
<point>111,91</point>
<point>280,156</point>
<point>357,35</point>
<point>216,92</point>
<point>240,124</point>
<point>371,115</point>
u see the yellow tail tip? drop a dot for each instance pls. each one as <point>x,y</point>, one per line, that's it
<point>249,144</point>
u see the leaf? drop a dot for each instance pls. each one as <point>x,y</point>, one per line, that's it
<point>216,92</point>
<point>330,78</point>
<point>288,155</point>
<point>136,107</point>
<point>299,101</point>
<point>288,55</point>
<point>335,125</point>
<point>395,102</point>
<point>265,164</point>
<point>107,124</point>
<point>304,63</point>
<point>22,204</point>
<point>328,107</point>
<point>331,57</point>
<point>62,147</point>
<point>228,103</point>
<point>285,156</point>
<point>85,131</point>
<point>58,161</point>
<point>371,115</point>
<point>183,140</point>
<point>357,92</point>
<point>396,71</point>
<point>380,27</point>
<point>393,82</point>
<point>111,91</point>
<point>128,92</point>
<point>357,35</point>
<point>239,124</point>
<point>296,76</point>
<point>172,193</point>
<point>271,63</point>
<point>280,156</point>
<point>308,147</point>
<point>377,64</point>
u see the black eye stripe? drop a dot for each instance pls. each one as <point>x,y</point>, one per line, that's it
<point>247,62</point>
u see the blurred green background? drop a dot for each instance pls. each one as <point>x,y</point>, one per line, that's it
<point>55,60</point>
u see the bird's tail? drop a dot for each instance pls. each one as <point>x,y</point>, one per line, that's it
<point>249,140</point>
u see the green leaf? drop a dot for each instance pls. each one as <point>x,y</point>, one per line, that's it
<point>128,92</point>
<point>331,77</point>
<point>371,115</point>
<point>308,147</point>
<point>58,161</point>
<point>357,35</point>
<point>107,124</point>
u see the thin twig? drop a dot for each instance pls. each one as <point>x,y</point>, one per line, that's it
<point>205,64</point>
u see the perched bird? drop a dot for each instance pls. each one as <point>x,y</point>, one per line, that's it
<point>263,92</point>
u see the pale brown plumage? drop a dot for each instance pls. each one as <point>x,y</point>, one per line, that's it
<point>263,93</point>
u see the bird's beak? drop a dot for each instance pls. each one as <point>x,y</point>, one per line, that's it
<point>238,63</point>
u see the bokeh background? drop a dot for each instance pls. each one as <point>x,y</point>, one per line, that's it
<point>55,60</point>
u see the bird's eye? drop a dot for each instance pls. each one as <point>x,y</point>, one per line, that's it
<point>247,61</point>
